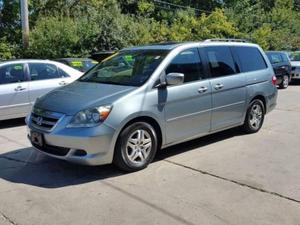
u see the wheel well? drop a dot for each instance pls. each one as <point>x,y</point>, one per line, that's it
<point>152,122</point>
<point>262,98</point>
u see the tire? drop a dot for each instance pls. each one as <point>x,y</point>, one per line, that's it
<point>255,117</point>
<point>136,147</point>
<point>285,82</point>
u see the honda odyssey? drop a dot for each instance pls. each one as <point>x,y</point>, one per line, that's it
<point>146,98</point>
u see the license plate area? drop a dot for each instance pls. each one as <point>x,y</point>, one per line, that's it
<point>36,138</point>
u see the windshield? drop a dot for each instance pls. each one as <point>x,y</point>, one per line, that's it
<point>295,56</point>
<point>130,68</point>
<point>82,65</point>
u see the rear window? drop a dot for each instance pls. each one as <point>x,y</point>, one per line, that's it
<point>250,59</point>
<point>285,57</point>
<point>274,58</point>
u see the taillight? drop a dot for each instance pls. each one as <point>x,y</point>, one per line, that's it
<point>274,80</point>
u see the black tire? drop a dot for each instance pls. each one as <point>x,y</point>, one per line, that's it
<point>285,82</point>
<point>248,126</point>
<point>121,157</point>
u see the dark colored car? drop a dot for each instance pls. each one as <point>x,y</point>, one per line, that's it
<point>81,64</point>
<point>282,67</point>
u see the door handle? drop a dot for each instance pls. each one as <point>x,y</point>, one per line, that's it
<point>20,88</point>
<point>219,86</point>
<point>202,89</point>
<point>62,83</point>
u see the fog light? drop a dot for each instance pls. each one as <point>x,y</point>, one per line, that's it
<point>80,152</point>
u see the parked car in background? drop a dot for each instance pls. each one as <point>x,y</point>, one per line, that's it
<point>295,62</point>
<point>150,97</point>
<point>81,64</point>
<point>282,67</point>
<point>101,55</point>
<point>23,81</point>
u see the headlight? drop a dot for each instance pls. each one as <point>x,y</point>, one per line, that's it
<point>90,117</point>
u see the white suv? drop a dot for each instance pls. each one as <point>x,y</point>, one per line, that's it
<point>22,81</point>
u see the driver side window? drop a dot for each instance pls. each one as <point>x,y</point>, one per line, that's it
<point>187,62</point>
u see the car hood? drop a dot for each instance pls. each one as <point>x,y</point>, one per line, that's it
<point>295,63</point>
<point>77,96</point>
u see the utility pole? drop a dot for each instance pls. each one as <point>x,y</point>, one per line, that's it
<point>25,23</point>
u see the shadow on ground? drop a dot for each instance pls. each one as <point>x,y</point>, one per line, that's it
<point>12,123</point>
<point>29,167</point>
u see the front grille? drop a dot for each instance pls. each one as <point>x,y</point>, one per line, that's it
<point>44,120</point>
<point>53,150</point>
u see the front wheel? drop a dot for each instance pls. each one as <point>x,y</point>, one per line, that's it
<point>254,117</point>
<point>285,82</point>
<point>136,147</point>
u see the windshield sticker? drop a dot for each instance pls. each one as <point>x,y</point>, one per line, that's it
<point>128,58</point>
<point>18,67</point>
<point>77,63</point>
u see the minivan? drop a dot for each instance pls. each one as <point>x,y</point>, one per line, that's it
<point>147,98</point>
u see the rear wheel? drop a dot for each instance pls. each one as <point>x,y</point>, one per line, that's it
<point>136,147</point>
<point>285,82</point>
<point>254,117</point>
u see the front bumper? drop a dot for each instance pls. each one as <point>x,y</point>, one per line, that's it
<point>87,146</point>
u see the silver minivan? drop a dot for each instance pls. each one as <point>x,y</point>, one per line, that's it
<point>146,98</point>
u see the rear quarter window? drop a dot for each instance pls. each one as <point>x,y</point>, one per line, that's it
<point>250,59</point>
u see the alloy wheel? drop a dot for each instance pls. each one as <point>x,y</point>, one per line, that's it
<point>138,146</point>
<point>256,116</point>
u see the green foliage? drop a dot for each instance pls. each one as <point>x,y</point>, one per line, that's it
<point>53,37</point>
<point>274,24</point>
<point>5,50</point>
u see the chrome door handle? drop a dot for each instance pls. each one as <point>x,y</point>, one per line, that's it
<point>219,86</point>
<point>202,89</point>
<point>20,88</point>
<point>62,83</point>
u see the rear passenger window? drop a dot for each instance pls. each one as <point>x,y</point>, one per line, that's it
<point>43,71</point>
<point>12,73</point>
<point>62,73</point>
<point>250,59</point>
<point>220,61</point>
<point>187,62</point>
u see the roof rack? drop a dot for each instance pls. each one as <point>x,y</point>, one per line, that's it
<point>226,40</point>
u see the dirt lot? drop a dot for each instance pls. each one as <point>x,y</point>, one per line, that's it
<point>226,178</point>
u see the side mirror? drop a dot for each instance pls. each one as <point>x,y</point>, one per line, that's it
<point>174,78</point>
